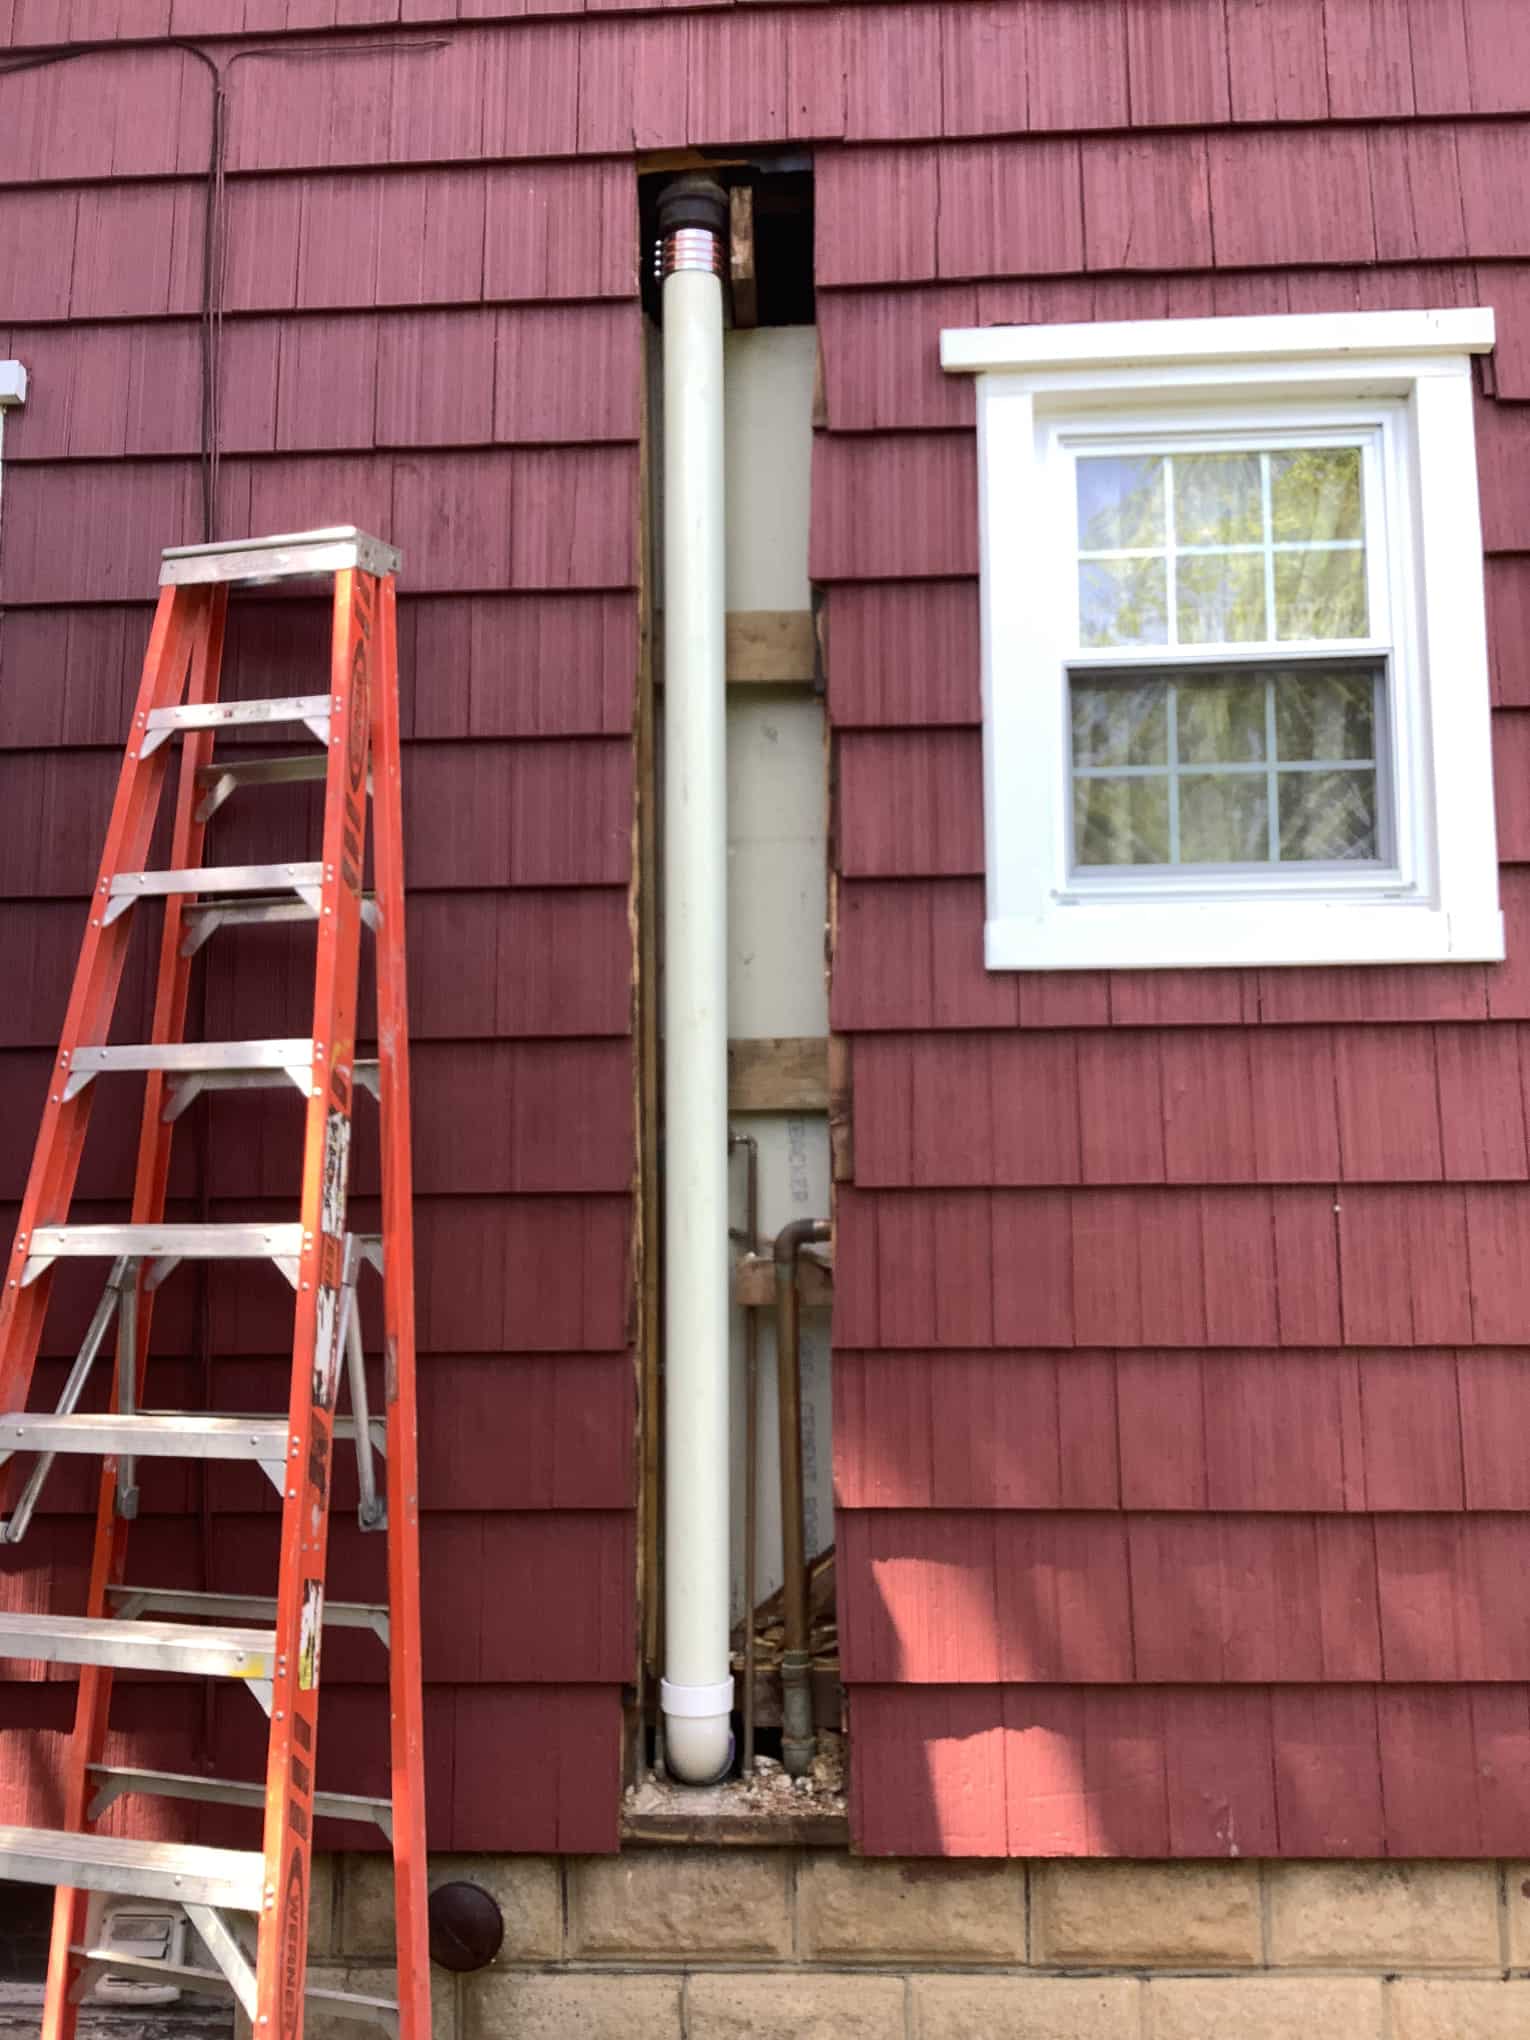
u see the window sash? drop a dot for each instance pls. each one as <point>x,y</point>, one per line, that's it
<point>1081,441</point>
<point>1085,878</point>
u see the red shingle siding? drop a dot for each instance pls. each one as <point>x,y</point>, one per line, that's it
<point>452,356</point>
<point>1179,1317</point>
<point>1103,1221</point>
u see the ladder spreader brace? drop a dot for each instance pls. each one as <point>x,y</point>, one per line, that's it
<point>249,1906</point>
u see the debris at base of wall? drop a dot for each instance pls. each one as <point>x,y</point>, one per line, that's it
<point>193,2019</point>
<point>770,1795</point>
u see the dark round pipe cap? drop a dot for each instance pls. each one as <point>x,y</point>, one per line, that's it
<point>467,1928</point>
<point>693,202</point>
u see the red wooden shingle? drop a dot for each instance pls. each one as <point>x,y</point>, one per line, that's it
<point>1441,67</point>
<point>570,1798</point>
<point>1328,1771</point>
<point>874,214</point>
<point>1498,56</point>
<point>893,72</point>
<point>1389,1104</point>
<point>1416,194</point>
<point>881,358</point>
<point>933,1772</point>
<point>1147,204</point>
<point>910,804</point>
<point>1122,1108</point>
<point>1272,197</point>
<point>862,489</point>
<point>1494,1389</point>
<point>903,655</point>
<point>1275,61</point>
<point>1177,65</point>
<point>1008,208</point>
<point>1369,59</point>
<point>1493,156</point>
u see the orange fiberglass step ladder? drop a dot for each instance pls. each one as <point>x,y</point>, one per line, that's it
<point>249,1907</point>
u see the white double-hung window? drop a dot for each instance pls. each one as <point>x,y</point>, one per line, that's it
<point>1235,669</point>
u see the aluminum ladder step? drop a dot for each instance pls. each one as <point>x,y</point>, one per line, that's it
<point>170,1871</point>
<point>116,1780</point>
<point>162,1434</point>
<point>221,781</point>
<point>304,878</point>
<point>277,1061</point>
<point>133,1601</point>
<point>258,910</point>
<point>255,1241</point>
<point>161,723</point>
<point>138,1646</point>
<point>288,555</point>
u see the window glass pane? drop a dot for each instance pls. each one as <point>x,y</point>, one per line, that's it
<point>1220,598</point>
<point>1315,494</point>
<point>1224,819</point>
<point>1218,499</point>
<point>1321,595</point>
<point>1328,816</point>
<point>1221,721</point>
<point>1123,602</point>
<point>1120,502</point>
<point>1121,821</point>
<point>1116,723</point>
<point>1324,715</point>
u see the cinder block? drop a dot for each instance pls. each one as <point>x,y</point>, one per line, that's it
<point>794,2004</point>
<point>1264,2008</point>
<point>1517,1882</point>
<point>322,1886</point>
<point>1120,1915</point>
<point>1441,2008</point>
<point>497,2004</point>
<point>526,1888</point>
<point>680,1902</point>
<point>853,1908</point>
<point>1027,2008</point>
<point>1384,1915</point>
<point>374,1980</point>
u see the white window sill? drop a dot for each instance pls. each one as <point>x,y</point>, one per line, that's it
<point>1222,933</point>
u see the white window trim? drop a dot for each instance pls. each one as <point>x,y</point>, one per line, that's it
<point>13,390</point>
<point>1410,371</point>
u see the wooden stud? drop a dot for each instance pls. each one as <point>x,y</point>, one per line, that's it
<point>741,255</point>
<point>779,1073</point>
<point>754,1281</point>
<point>765,647</point>
<point>841,1132</point>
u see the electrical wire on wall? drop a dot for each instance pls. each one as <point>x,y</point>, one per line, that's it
<point>210,314</point>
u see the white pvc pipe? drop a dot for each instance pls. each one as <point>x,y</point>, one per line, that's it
<point>696,1694</point>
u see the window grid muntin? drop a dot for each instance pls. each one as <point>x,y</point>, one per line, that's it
<point>1375,543</point>
<point>1271,767</point>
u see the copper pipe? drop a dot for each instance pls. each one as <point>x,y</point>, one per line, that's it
<point>749,1239</point>
<point>797,1738</point>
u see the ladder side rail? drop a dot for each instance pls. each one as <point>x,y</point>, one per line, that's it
<point>316,1354</point>
<point>151,1177</point>
<point>412,1927</point>
<point>179,630</point>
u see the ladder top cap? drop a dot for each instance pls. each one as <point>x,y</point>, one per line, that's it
<point>285,556</point>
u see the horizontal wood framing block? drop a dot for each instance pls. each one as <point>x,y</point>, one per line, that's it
<point>779,1073</point>
<point>754,1281</point>
<point>764,647</point>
